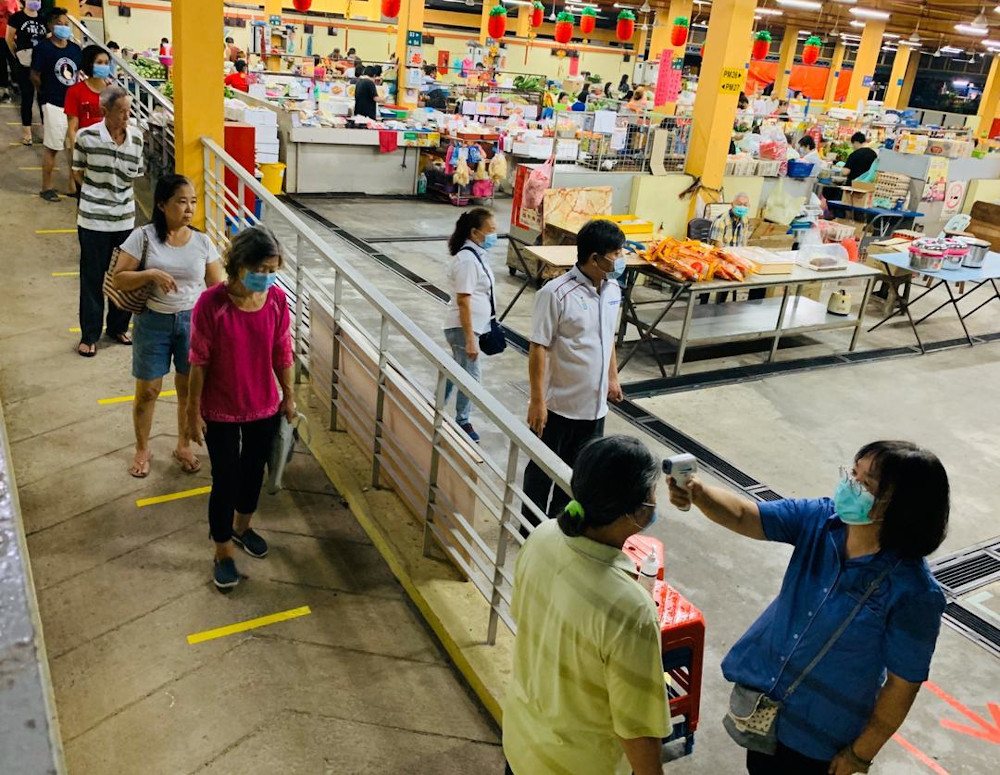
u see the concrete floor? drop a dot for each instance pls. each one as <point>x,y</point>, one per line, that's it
<point>358,686</point>
<point>791,432</point>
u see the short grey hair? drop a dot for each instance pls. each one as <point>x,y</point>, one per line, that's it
<point>743,194</point>
<point>110,97</point>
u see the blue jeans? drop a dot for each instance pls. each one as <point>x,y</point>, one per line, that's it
<point>456,338</point>
<point>159,338</point>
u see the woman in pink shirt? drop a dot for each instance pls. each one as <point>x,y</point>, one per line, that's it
<point>241,351</point>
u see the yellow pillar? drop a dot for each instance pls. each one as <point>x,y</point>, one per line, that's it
<point>411,17</point>
<point>990,100</point>
<point>271,8</point>
<point>836,65</point>
<point>723,75</point>
<point>897,77</point>
<point>663,23</point>
<point>198,111</point>
<point>484,21</point>
<point>523,21</point>
<point>906,91</point>
<point>864,64</point>
<point>786,58</point>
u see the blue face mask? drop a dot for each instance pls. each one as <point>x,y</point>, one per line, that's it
<point>62,31</point>
<point>489,241</point>
<point>652,520</point>
<point>619,269</point>
<point>259,282</point>
<point>740,211</point>
<point>102,71</point>
<point>852,502</point>
<point>34,5</point>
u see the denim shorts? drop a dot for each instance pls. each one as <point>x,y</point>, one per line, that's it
<point>158,337</point>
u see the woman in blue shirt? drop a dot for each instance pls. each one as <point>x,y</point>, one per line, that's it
<point>889,511</point>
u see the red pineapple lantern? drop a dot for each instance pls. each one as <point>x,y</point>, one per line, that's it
<point>537,14</point>
<point>390,8</point>
<point>564,27</point>
<point>302,5</point>
<point>588,20</point>
<point>498,22</point>
<point>625,28</point>
<point>761,44</point>
<point>679,32</point>
<point>811,51</point>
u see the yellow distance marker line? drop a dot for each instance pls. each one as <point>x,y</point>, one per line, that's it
<point>65,274</point>
<point>174,496</point>
<point>129,399</point>
<point>31,169</point>
<point>78,330</point>
<point>263,621</point>
<point>55,231</point>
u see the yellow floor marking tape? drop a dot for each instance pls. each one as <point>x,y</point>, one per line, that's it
<point>263,621</point>
<point>174,496</point>
<point>31,169</point>
<point>55,231</point>
<point>65,274</point>
<point>129,399</point>
<point>78,330</point>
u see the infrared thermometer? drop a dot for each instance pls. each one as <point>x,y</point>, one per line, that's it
<point>681,468</point>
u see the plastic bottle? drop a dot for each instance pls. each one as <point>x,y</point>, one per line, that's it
<point>422,183</point>
<point>648,571</point>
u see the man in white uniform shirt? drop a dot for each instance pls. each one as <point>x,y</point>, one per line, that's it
<point>572,366</point>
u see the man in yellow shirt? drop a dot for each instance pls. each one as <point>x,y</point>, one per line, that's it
<point>588,695</point>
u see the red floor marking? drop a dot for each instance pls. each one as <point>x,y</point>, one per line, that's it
<point>985,730</point>
<point>920,755</point>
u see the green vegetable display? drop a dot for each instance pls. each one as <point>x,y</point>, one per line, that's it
<point>529,83</point>
<point>148,69</point>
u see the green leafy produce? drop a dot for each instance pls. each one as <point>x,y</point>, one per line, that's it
<point>148,69</point>
<point>529,83</point>
<point>167,89</point>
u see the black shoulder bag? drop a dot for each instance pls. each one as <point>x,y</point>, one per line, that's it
<point>494,341</point>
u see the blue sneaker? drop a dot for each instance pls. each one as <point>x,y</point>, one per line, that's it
<point>226,575</point>
<point>251,542</point>
<point>470,431</point>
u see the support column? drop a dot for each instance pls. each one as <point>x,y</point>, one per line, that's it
<point>484,21</point>
<point>723,75</point>
<point>411,17</point>
<point>990,100</point>
<point>909,79</point>
<point>836,66</point>
<point>663,23</point>
<point>197,28</point>
<point>523,26</point>
<point>786,58</point>
<point>271,8</point>
<point>897,77</point>
<point>864,64</point>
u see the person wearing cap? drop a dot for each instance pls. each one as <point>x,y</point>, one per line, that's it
<point>572,368</point>
<point>587,694</point>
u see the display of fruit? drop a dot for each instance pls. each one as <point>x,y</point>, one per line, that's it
<point>588,20</point>
<point>148,69</point>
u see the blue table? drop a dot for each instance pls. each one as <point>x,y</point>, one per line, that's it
<point>881,220</point>
<point>988,273</point>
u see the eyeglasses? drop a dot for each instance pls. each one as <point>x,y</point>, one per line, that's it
<point>847,474</point>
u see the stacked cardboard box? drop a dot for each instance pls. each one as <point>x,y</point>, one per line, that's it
<point>265,123</point>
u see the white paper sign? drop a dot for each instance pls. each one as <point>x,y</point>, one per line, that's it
<point>604,121</point>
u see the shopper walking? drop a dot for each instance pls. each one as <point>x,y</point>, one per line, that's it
<point>240,342</point>
<point>7,8</point>
<point>25,30</point>
<point>587,695</point>
<point>55,63</point>
<point>107,157</point>
<point>473,300</point>
<point>572,367</point>
<point>180,262</point>
<point>848,641</point>
<point>83,99</point>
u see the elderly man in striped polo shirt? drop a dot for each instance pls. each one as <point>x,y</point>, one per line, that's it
<point>107,157</point>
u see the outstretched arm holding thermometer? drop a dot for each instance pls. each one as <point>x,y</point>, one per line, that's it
<point>740,515</point>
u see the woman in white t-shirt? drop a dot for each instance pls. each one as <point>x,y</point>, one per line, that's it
<point>473,301</point>
<point>180,263</point>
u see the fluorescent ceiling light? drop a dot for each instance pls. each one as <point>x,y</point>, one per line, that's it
<point>807,34</point>
<point>869,13</point>
<point>993,43</point>
<point>890,35</point>
<point>889,48</point>
<point>960,83</point>
<point>702,2</point>
<point>856,23</point>
<point>516,2</point>
<point>846,2</point>
<point>951,50</point>
<point>849,36</point>
<point>851,43</point>
<point>910,43</point>
<point>808,5</point>
<point>622,6</point>
<point>768,12</point>
<point>968,29</point>
<point>703,25</point>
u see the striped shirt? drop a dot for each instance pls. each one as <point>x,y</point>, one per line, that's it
<point>107,202</point>
<point>731,231</point>
<point>587,664</point>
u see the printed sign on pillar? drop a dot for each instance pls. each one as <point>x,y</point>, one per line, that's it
<point>668,80</point>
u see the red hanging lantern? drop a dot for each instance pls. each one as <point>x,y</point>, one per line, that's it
<point>390,8</point>
<point>302,5</point>
<point>701,51</point>
<point>625,28</point>
<point>498,22</point>
<point>761,44</point>
<point>588,20</point>
<point>564,27</point>
<point>811,51</point>
<point>679,32</point>
<point>537,14</point>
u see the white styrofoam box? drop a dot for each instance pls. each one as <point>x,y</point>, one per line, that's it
<point>266,134</point>
<point>267,147</point>
<point>235,110</point>
<point>267,158</point>
<point>261,117</point>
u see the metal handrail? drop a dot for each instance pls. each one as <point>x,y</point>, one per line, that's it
<point>497,489</point>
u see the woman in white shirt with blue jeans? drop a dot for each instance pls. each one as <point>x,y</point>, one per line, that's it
<point>473,300</point>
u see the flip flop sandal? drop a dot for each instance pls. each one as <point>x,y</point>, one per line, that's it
<point>50,196</point>
<point>191,466</point>
<point>123,339</point>
<point>27,143</point>
<point>89,353</point>
<point>142,474</point>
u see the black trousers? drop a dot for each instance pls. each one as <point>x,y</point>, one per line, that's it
<point>96,248</point>
<point>239,452</point>
<point>785,761</point>
<point>28,95</point>
<point>6,66</point>
<point>565,437</point>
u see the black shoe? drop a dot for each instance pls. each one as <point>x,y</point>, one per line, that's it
<point>251,542</point>
<point>470,431</point>
<point>226,575</point>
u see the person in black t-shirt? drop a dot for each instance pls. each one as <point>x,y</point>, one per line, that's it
<point>24,31</point>
<point>366,95</point>
<point>861,159</point>
<point>55,65</point>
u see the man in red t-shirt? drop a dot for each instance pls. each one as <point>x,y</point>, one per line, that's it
<point>238,80</point>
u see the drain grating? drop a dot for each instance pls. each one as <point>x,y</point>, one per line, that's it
<point>973,627</point>
<point>969,569</point>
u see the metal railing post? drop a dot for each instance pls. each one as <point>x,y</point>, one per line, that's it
<point>338,289</point>
<point>300,307</point>
<point>241,194</point>
<point>209,200</point>
<point>383,343</point>
<point>430,546</point>
<point>501,558</point>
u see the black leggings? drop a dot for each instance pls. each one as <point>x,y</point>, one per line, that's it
<point>785,761</point>
<point>27,94</point>
<point>239,452</point>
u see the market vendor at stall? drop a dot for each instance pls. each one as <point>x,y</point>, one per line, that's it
<point>732,229</point>
<point>861,159</point>
<point>366,95</point>
<point>238,79</point>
